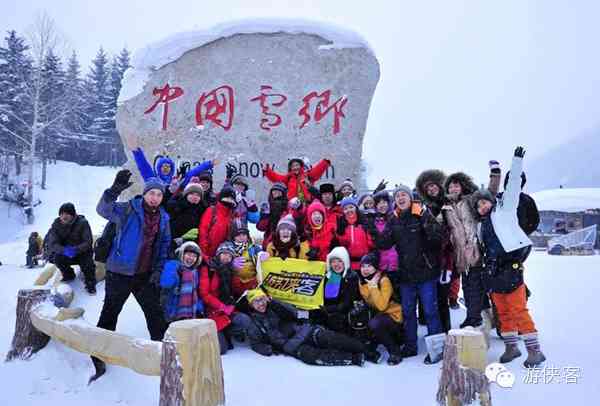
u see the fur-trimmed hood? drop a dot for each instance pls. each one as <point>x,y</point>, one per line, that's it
<point>430,176</point>
<point>479,195</point>
<point>465,181</point>
<point>341,253</point>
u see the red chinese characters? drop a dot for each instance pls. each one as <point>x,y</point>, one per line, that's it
<point>216,106</point>
<point>322,108</point>
<point>165,95</point>
<point>269,120</point>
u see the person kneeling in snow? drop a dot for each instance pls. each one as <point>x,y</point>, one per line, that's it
<point>506,246</point>
<point>179,283</point>
<point>274,329</point>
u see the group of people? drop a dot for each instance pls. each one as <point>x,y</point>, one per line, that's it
<point>392,258</point>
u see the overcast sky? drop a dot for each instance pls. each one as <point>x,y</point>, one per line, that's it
<point>461,81</point>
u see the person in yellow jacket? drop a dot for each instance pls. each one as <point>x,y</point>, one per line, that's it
<point>286,243</point>
<point>244,263</point>
<point>376,290</point>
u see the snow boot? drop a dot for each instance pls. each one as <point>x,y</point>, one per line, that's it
<point>100,367</point>
<point>374,356</point>
<point>358,359</point>
<point>535,356</point>
<point>395,355</point>
<point>511,341</point>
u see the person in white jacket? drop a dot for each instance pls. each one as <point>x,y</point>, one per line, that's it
<point>505,247</point>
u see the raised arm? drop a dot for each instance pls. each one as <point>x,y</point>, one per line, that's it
<point>275,176</point>
<point>510,199</point>
<point>142,164</point>
<point>318,170</point>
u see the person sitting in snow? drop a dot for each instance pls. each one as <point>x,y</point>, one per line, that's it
<point>274,329</point>
<point>70,243</point>
<point>376,290</point>
<point>506,246</point>
<point>298,180</point>
<point>179,283</point>
<point>217,294</point>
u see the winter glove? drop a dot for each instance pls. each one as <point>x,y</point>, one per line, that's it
<point>312,254</point>
<point>69,251</point>
<point>494,166</point>
<point>229,171</point>
<point>382,185</point>
<point>263,256</point>
<point>238,263</point>
<point>121,181</point>
<point>265,208</point>
<point>519,152</point>
<point>183,169</point>
<point>294,203</point>
<point>446,277</point>
<point>228,309</point>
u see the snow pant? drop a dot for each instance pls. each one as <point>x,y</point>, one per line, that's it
<point>444,306</point>
<point>31,261</point>
<point>387,332</point>
<point>427,293</point>
<point>238,287</point>
<point>116,292</point>
<point>476,299</point>
<point>237,328</point>
<point>454,288</point>
<point>328,348</point>
<point>512,311</point>
<point>86,264</point>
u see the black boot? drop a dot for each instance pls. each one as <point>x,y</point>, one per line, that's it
<point>395,356</point>
<point>100,367</point>
<point>374,356</point>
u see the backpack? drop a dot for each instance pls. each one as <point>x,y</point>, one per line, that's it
<point>103,244</point>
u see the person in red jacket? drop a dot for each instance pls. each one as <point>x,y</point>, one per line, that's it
<point>352,233</point>
<point>217,295</point>
<point>297,179</point>
<point>319,231</point>
<point>215,224</point>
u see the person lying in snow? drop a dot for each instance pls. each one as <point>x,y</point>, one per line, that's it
<point>274,329</point>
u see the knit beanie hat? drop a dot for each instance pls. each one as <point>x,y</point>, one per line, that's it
<point>347,182</point>
<point>254,294</point>
<point>372,258</point>
<point>237,178</point>
<point>403,188</point>
<point>192,188</point>
<point>287,221</point>
<point>346,201</point>
<point>153,183</point>
<point>279,186</point>
<point>68,208</point>
<point>226,247</point>
<point>382,195</point>
<point>227,195</point>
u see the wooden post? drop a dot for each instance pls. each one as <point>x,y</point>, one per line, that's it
<point>463,371</point>
<point>27,339</point>
<point>191,371</point>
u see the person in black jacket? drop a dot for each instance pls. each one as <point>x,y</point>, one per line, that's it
<point>70,242</point>
<point>185,212</point>
<point>417,236</point>
<point>274,329</point>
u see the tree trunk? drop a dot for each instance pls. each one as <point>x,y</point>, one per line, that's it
<point>18,160</point>
<point>44,170</point>
<point>191,370</point>
<point>27,339</point>
<point>463,372</point>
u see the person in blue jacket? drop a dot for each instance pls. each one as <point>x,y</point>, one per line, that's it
<point>179,284</point>
<point>137,255</point>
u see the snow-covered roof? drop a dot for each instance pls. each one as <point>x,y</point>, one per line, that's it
<point>160,53</point>
<point>568,200</point>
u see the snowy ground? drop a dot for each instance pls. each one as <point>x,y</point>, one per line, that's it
<point>562,305</point>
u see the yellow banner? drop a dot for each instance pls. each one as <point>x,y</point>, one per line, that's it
<point>295,281</point>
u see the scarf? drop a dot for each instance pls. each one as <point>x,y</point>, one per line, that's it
<point>240,247</point>
<point>151,228</point>
<point>332,286</point>
<point>188,294</point>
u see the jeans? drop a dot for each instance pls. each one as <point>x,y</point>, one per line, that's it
<point>427,292</point>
